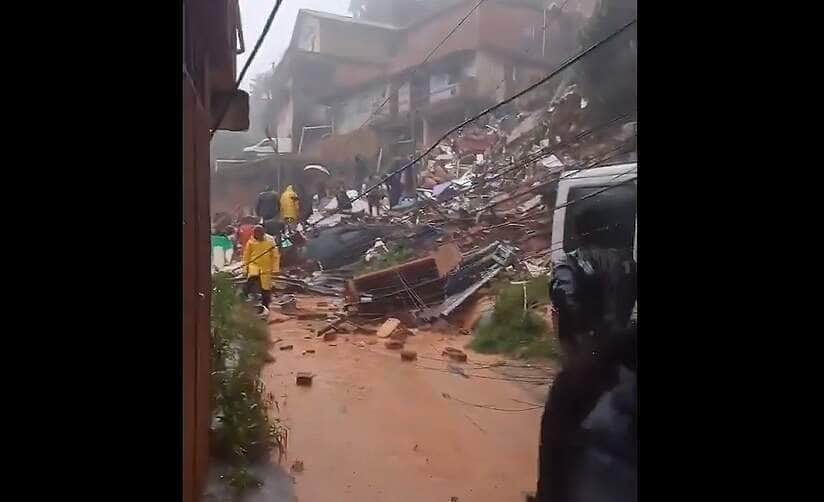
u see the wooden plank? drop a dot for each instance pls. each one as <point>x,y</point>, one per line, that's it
<point>202,295</point>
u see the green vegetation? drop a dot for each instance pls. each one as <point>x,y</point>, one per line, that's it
<point>242,431</point>
<point>514,331</point>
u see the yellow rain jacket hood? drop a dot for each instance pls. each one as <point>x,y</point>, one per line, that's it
<point>289,204</point>
<point>262,258</point>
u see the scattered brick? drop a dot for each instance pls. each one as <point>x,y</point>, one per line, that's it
<point>393,344</point>
<point>388,327</point>
<point>304,379</point>
<point>454,354</point>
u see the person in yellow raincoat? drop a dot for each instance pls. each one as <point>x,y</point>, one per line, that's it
<point>289,206</point>
<point>261,258</point>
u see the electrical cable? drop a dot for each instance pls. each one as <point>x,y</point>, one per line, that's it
<point>248,63</point>
<point>569,62</point>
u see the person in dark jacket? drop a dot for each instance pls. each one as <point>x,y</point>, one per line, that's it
<point>344,204</point>
<point>305,197</point>
<point>410,182</point>
<point>267,204</point>
<point>589,430</point>
<point>593,288</point>
<point>375,197</point>
<point>588,450</point>
<point>360,172</point>
<point>394,183</point>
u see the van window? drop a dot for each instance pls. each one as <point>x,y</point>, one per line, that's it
<point>616,208</point>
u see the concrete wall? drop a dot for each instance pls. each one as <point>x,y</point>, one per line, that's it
<point>353,111</point>
<point>511,28</point>
<point>490,74</point>
<point>419,40</point>
<point>283,119</point>
<point>352,74</point>
<point>354,41</point>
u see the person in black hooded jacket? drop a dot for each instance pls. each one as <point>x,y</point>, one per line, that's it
<point>593,287</point>
<point>588,450</point>
<point>589,431</point>
<point>268,204</point>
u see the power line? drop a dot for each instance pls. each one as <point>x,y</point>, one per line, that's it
<point>543,184</point>
<point>569,62</point>
<point>545,152</point>
<point>251,58</point>
<point>425,60</point>
<point>544,30</point>
<point>540,186</point>
<point>490,407</point>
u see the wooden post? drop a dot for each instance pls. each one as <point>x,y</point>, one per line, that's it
<point>196,295</point>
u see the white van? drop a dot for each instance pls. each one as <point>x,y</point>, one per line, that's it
<point>573,187</point>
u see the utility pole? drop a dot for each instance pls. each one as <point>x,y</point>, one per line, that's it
<point>412,175</point>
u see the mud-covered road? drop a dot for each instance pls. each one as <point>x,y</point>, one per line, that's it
<point>374,428</point>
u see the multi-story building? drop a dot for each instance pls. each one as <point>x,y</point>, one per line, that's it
<point>349,86</point>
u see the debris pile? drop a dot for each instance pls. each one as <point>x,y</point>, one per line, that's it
<point>483,210</point>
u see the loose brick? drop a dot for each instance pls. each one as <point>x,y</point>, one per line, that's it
<point>454,354</point>
<point>388,327</point>
<point>304,379</point>
<point>393,344</point>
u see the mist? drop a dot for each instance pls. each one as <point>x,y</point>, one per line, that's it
<point>253,14</point>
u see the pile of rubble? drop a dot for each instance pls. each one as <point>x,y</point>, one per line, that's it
<point>483,210</point>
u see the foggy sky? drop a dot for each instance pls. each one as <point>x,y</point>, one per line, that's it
<point>253,14</point>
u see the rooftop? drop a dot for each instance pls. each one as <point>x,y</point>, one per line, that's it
<point>347,19</point>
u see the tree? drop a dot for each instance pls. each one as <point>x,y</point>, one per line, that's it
<point>607,77</point>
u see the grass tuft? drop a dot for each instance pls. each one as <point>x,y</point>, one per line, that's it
<point>513,330</point>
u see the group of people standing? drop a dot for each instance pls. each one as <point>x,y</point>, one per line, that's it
<point>393,187</point>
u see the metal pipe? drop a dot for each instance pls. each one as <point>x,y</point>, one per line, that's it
<point>543,36</point>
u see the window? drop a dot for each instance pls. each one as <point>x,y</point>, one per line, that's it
<point>308,40</point>
<point>614,211</point>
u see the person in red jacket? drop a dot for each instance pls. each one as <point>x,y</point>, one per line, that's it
<point>245,230</point>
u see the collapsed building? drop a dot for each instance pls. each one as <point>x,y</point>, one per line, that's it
<point>379,89</point>
<point>381,86</point>
<point>340,73</point>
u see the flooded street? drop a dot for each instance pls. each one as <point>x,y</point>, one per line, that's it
<point>374,428</point>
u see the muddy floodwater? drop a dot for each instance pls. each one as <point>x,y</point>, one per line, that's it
<point>374,428</point>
